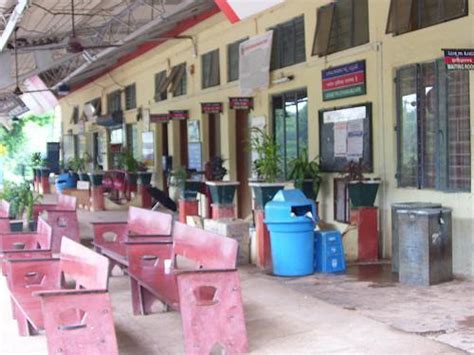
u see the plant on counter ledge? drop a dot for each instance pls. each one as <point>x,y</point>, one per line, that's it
<point>267,166</point>
<point>222,192</point>
<point>306,174</point>
<point>362,190</point>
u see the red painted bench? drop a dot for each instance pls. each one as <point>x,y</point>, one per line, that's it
<point>78,319</point>
<point>4,216</point>
<point>62,217</point>
<point>26,245</point>
<point>201,281</point>
<point>110,237</point>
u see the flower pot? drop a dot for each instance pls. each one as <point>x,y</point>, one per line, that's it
<point>83,177</point>
<point>145,177</point>
<point>45,172</point>
<point>309,189</point>
<point>222,192</point>
<point>265,191</point>
<point>96,179</point>
<point>32,225</point>
<point>191,189</point>
<point>16,226</point>
<point>363,193</point>
<point>132,178</point>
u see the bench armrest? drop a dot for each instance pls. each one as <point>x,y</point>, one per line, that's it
<point>200,271</point>
<point>57,210</point>
<point>30,273</point>
<point>52,293</point>
<point>118,231</point>
<point>24,251</point>
<point>152,240</point>
<point>108,223</point>
<point>148,257</point>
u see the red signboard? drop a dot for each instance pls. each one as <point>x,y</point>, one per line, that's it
<point>179,115</point>
<point>241,103</point>
<point>211,107</point>
<point>159,118</point>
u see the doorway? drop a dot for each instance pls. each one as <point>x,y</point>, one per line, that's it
<point>244,161</point>
<point>183,142</point>
<point>166,160</point>
<point>214,126</point>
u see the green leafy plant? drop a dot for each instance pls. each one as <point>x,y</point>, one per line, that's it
<point>267,165</point>
<point>21,198</point>
<point>178,177</point>
<point>35,160</point>
<point>214,169</point>
<point>128,162</point>
<point>303,169</point>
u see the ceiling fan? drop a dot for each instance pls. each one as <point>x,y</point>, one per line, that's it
<point>72,44</point>
<point>61,90</point>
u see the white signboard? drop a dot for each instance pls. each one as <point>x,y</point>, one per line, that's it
<point>254,65</point>
<point>345,114</point>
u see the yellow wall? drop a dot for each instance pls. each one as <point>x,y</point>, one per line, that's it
<point>383,55</point>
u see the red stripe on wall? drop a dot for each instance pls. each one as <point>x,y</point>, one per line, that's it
<point>227,10</point>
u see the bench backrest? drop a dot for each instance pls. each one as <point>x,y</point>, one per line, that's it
<point>44,234</point>
<point>4,209</point>
<point>67,203</point>
<point>87,268</point>
<point>145,222</point>
<point>207,249</point>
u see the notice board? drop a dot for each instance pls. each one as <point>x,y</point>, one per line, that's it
<point>345,134</point>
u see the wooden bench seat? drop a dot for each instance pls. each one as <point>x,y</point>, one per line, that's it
<point>26,245</point>
<point>195,274</point>
<point>78,319</point>
<point>62,217</point>
<point>110,237</point>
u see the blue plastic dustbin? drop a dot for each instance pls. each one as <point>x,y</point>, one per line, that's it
<point>291,218</point>
<point>66,181</point>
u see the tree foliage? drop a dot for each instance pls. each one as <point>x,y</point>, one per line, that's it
<point>14,140</point>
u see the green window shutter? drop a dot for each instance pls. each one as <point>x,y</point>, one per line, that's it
<point>300,43</point>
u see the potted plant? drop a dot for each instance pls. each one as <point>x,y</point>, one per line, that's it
<point>82,163</point>
<point>44,168</point>
<point>222,192</point>
<point>21,199</point>
<point>130,164</point>
<point>177,179</point>
<point>74,166</point>
<point>362,191</point>
<point>143,174</point>
<point>266,167</point>
<point>35,162</point>
<point>96,177</point>
<point>306,174</point>
<point>27,201</point>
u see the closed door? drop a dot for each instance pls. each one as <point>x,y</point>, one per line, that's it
<point>242,131</point>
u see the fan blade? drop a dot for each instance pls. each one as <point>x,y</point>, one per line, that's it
<point>103,46</point>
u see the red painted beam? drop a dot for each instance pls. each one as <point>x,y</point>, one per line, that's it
<point>228,10</point>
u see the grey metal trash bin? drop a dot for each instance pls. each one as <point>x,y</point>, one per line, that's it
<point>425,246</point>
<point>395,235</point>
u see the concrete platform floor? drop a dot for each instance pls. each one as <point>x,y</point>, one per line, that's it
<point>318,314</point>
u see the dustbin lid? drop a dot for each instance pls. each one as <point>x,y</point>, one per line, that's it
<point>426,211</point>
<point>290,206</point>
<point>415,205</point>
